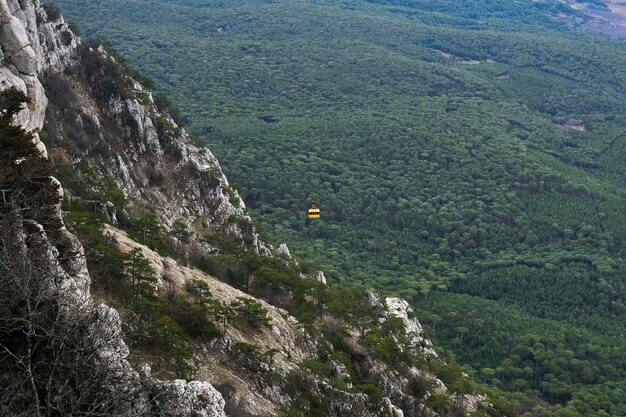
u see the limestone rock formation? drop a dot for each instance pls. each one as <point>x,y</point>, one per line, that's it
<point>283,249</point>
<point>128,137</point>
<point>415,334</point>
<point>196,398</point>
<point>319,276</point>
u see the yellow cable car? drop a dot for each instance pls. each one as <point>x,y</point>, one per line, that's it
<point>314,210</point>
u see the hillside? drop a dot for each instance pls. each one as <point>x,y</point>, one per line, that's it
<point>474,149</point>
<point>133,282</point>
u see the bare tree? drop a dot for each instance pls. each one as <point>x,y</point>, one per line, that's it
<point>60,354</point>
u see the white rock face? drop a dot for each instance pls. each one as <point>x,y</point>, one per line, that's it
<point>319,276</point>
<point>25,50</point>
<point>390,409</point>
<point>398,307</point>
<point>181,398</point>
<point>415,334</point>
<point>20,66</point>
<point>283,249</point>
<point>339,370</point>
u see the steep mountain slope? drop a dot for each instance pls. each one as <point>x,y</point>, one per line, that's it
<point>123,160</point>
<point>474,146</point>
<point>93,113</point>
<point>61,351</point>
<point>248,365</point>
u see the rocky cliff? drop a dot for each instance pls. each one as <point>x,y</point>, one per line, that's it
<point>44,267</point>
<point>99,116</point>
<point>120,154</point>
<point>124,136</point>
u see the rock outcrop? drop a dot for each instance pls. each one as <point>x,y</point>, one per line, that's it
<point>283,249</point>
<point>28,49</point>
<point>320,277</point>
<point>128,137</point>
<point>397,307</point>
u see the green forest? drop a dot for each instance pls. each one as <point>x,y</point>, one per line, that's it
<point>467,156</point>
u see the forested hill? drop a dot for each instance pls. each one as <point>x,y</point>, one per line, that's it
<point>466,155</point>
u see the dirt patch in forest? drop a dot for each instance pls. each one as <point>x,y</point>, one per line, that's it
<point>572,124</point>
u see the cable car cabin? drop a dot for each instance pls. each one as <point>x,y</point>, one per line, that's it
<point>314,211</point>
